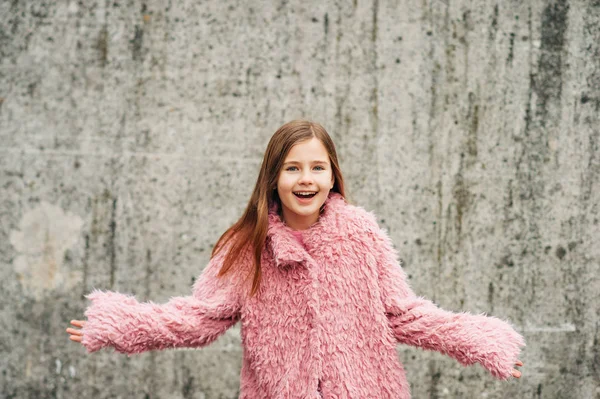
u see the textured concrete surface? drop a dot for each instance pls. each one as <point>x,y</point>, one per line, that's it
<point>131,134</point>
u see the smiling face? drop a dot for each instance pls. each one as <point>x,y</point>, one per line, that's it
<point>304,183</point>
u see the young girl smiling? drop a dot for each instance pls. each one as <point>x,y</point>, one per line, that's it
<point>317,286</point>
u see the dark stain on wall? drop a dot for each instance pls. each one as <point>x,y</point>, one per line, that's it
<point>511,48</point>
<point>435,375</point>
<point>438,226</point>
<point>149,272</point>
<point>541,116</point>
<point>188,389</point>
<point>112,242</point>
<point>85,261</point>
<point>592,171</point>
<point>547,83</point>
<point>137,43</point>
<point>506,260</point>
<point>5,39</point>
<point>560,252</point>
<point>587,111</point>
<point>509,202</point>
<point>461,196</point>
<point>375,90</point>
<point>473,120</point>
<point>102,46</point>
<point>103,231</point>
<point>32,89</point>
<point>494,27</point>
<point>595,364</point>
<point>491,295</point>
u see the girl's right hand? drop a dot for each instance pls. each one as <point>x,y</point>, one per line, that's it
<point>76,334</point>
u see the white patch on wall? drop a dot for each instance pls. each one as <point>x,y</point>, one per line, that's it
<point>46,233</point>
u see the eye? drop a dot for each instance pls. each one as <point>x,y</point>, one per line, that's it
<point>293,168</point>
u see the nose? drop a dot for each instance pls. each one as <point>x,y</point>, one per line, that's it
<point>305,178</point>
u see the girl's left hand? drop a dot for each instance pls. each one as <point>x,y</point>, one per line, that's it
<point>516,373</point>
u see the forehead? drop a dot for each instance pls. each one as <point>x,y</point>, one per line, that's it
<point>309,150</point>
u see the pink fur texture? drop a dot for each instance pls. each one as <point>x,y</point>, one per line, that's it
<point>327,318</point>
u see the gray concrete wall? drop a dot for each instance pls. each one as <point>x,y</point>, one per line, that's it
<point>131,133</point>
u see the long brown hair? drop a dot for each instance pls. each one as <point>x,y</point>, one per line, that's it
<point>250,231</point>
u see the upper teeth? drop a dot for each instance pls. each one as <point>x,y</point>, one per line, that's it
<point>305,192</point>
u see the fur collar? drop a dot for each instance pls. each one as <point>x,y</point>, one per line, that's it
<point>284,246</point>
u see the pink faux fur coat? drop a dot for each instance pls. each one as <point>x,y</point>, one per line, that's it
<point>326,319</point>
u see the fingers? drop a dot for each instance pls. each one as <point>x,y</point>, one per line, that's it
<point>517,373</point>
<point>76,338</point>
<point>76,334</point>
<point>73,331</point>
<point>78,323</point>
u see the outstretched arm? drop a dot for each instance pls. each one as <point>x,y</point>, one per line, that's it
<point>120,321</point>
<point>417,321</point>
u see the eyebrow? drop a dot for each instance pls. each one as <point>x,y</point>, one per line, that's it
<point>313,162</point>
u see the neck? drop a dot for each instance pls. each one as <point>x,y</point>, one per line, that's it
<point>297,222</point>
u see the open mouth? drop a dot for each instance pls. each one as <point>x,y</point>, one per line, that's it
<point>305,194</point>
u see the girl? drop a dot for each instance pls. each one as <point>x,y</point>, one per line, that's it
<point>317,286</point>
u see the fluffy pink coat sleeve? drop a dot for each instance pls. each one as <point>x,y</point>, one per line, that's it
<point>119,321</point>
<point>418,322</point>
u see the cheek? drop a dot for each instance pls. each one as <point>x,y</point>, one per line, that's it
<point>325,181</point>
<point>284,182</point>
